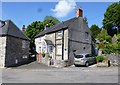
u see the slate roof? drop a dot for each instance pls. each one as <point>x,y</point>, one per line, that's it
<point>63,25</point>
<point>8,28</point>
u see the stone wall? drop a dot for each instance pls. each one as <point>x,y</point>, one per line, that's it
<point>79,40</point>
<point>114,58</point>
<point>2,51</point>
<point>15,53</point>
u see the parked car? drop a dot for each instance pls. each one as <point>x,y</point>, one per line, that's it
<point>84,59</point>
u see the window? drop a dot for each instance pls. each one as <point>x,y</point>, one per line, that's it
<point>23,44</point>
<point>59,35</point>
<point>79,56</point>
<point>44,47</point>
<point>59,49</point>
<point>50,50</point>
<point>88,55</point>
<point>86,35</point>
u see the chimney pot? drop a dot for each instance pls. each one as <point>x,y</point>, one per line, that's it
<point>79,12</point>
<point>23,28</point>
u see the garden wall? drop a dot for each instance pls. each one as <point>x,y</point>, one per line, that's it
<point>114,58</point>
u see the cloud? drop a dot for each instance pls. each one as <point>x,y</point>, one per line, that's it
<point>64,7</point>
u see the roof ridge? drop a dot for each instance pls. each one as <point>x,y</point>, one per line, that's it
<point>12,29</point>
<point>73,21</point>
<point>20,31</point>
<point>8,23</point>
<point>57,27</point>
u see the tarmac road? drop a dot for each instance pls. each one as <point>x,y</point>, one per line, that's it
<point>60,75</point>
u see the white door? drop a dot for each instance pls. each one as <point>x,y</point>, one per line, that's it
<point>65,54</point>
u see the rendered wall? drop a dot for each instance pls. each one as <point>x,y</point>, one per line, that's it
<point>2,51</point>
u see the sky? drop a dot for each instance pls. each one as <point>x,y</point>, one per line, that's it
<point>24,13</point>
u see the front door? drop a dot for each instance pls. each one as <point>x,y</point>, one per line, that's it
<point>59,52</point>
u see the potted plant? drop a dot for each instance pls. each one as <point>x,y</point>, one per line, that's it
<point>100,58</point>
<point>43,54</point>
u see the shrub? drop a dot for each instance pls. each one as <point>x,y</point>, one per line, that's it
<point>100,58</point>
<point>43,54</point>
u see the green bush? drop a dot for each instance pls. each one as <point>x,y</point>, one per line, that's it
<point>100,58</point>
<point>106,59</point>
<point>43,54</point>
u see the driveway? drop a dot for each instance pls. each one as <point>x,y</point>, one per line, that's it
<point>33,65</point>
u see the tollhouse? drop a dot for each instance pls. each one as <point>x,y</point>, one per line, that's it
<point>59,42</point>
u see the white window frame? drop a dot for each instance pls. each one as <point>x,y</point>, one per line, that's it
<point>59,49</point>
<point>50,48</point>
<point>59,34</point>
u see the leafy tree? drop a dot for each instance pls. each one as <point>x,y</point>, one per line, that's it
<point>36,27</point>
<point>31,31</point>
<point>118,38</point>
<point>55,20</point>
<point>101,36</point>
<point>116,44</point>
<point>111,21</point>
<point>95,30</point>
<point>109,44</point>
<point>101,45</point>
<point>48,23</point>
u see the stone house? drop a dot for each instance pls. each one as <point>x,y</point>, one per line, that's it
<point>61,41</point>
<point>14,45</point>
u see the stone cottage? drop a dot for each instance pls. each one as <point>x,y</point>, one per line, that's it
<point>14,45</point>
<point>61,41</point>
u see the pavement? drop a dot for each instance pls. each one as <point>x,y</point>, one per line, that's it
<point>39,73</point>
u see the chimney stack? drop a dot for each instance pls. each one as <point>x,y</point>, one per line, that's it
<point>79,12</point>
<point>23,28</point>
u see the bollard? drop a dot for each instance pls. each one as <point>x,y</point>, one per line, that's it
<point>109,63</point>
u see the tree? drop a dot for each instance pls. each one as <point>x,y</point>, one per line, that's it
<point>107,43</point>
<point>48,23</point>
<point>31,31</point>
<point>95,30</point>
<point>36,27</point>
<point>103,36</point>
<point>111,21</point>
<point>55,20</point>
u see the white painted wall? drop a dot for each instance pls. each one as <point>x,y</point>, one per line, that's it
<point>39,43</point>
<point>66,44</point>
<point>2,51</point>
